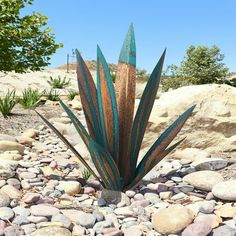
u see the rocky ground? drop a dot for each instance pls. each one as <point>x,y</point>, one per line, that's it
<point>43,190</point>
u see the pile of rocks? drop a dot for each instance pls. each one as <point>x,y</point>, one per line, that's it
<point>42,192</point>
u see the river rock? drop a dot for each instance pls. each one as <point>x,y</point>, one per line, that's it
<point>197,229</point>
<point>190,154</point>
<point>11,146</point>
<point>5,137</point>
<point>31,133</point>
<point>225,190</point>
<point>52,230</point>
<point>125,211</point>
<point>204,180</point>
<point>25,140</point>
<point>69,187</point>
<point>10,156</point>
<point>207,207</point>
<point>13,230</point>
<point>114,197</point>
<point>99,226</point>
<point>20,220</point>
<point>226,211</point>
<point>209,164</point>
<point>6,213</point>
<point>62,219</point>
<point>79,217</point>
<point>43,210</point>
<point>11,191</point>
<point>133,230</point>
<point>211,219</point>
<point>168,220</point>
<point>30,198</point>
<point>224,230</point>
<point>4,199</point>
<point>7,168</point>
<point>19,210</point>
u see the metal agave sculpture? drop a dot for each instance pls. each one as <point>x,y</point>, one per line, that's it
<point>114,138</point>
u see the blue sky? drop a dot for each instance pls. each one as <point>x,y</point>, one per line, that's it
<point>174,24</point>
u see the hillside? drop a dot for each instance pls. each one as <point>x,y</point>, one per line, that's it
<point>90,64</point>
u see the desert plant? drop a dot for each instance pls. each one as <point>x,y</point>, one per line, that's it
<point>86,174</point>
<point>175,82</point>
<point>30,98</point>
<point>7,103</point>
<point>59,82</point>
<point>114,138</point>
<point>71,94</point>
<point>52,95</point>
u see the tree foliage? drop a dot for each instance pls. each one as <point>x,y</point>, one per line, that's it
<point>204,64</point>
<point>26,43</point>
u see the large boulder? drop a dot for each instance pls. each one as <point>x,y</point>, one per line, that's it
<point>11,146</point>
<point>204,180</point>
<point>212,126</point>
<point>172,220</point>
<point>225,190</point>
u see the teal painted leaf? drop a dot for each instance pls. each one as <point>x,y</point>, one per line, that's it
<point>88,94</point>
<point>169,134</point>
<point>144,111</point>
<point>107,106</point>
<point>105,166</point>
<point>77,124</point>
<point>67,143</point>
<point>128,51</point>
<point>145,166</point>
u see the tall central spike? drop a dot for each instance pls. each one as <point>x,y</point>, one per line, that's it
<point>125,95</point>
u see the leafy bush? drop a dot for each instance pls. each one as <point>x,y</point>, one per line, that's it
<point>59,82</point>
<point>7,103</point>
<point>175,82</point>
<point>30,98</point>
<point>142,76</point>
<point>71,94</point>
<point>114,138</point>
<point>52,95</point>
<point>204,64</point>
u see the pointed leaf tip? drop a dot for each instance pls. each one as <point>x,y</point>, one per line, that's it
<point>128,50</point>
<point>77,53</point>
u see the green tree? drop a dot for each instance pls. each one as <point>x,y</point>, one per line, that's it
<point>203,64</point>
<point>26,43</point>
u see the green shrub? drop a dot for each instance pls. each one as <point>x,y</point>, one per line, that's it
<point>7,103</point>
<point>52,95</point>
<point>30,98</point>
<point>176,82</point>
<point>142,76</point>
<point>231,82</point>
<point>71,94</point>
<point>114,138</point>
<point>86,174</point>
<point>59,82</point>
